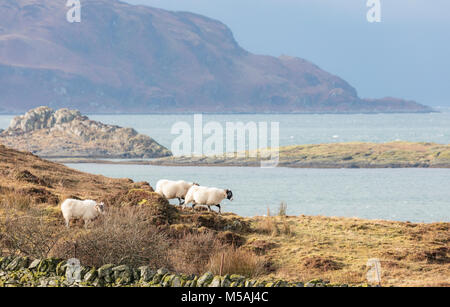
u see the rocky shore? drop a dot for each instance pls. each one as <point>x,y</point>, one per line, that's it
<point>66,133</point>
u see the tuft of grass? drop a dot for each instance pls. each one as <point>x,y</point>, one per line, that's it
<point>237,261</point>
<point>282,209</point>
<point>14,200</point>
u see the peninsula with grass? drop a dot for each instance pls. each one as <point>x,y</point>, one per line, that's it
<point>335,155</point>
<point>142,240</point>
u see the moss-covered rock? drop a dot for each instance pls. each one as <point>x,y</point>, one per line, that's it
<point>48,265</point>
<point>17,263</point>
<point>50,273</point>
<point>205,279</point>
<point>216,282</point>
<point>90,276</point>
<point>146,273</point>
<point>105,272</point>
<point>123,275</point>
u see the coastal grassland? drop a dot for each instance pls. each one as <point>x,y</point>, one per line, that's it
<point>336,155</point>
<point>140,227</point>
<point>337,249</point>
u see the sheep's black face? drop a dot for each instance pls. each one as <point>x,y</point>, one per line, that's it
<point>229,195</point>
<point>101,208</point>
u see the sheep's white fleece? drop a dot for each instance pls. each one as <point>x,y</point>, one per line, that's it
<point>79,209</point>
<point>173,189</point>
<point>205,196</point>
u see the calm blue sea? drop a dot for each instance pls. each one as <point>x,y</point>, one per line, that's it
<point>416,195</point>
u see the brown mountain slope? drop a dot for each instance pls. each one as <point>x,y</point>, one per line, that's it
<point>125,58</point>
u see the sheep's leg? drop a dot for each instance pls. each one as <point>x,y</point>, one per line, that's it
<point>86,222</point>
<point>67,223</point>
<point>180,201</point>
<point>193,207</point>
<point>209,208</point>
<point>220,209</point>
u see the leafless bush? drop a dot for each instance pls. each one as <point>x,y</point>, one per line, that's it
<point>190,254</point>
<point>29,234</point>
<point>282,209</point>
<point>122,236</point>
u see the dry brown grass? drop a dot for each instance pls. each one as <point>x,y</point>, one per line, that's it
<point>237,261</point>
<point>273,225</point>
<point>14,200</point>
<point>48,182</point>
<point>337,249</point>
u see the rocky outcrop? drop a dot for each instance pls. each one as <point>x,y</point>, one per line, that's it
<point>51,272</point>
<point>66,133</point>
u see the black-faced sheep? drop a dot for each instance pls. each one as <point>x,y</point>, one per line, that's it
<point>198,195</point>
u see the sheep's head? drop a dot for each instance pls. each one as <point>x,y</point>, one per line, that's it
<point>100,208</point>
<point>229,195</point>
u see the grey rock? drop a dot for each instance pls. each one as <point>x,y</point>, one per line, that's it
<point>105,272</point>
<point>216,282</point>
<point>205,279</point>
<point>176,282</point>
<point>34,264</point>
<point>146,273</point>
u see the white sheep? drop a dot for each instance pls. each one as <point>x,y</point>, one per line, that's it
<point>198,195</point>
<point>174,189</point>
<point>87,210</point>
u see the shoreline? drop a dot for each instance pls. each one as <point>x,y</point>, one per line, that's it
<point>322,156</point>
<point>316,165</point>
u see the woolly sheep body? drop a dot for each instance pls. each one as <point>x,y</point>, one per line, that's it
<point>198,195</point>
<point>173,189</point>
<point>87,210</point>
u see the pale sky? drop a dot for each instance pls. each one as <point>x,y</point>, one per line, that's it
<point>405,56</point>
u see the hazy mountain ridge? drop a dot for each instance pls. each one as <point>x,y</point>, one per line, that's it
<point>130,59</point>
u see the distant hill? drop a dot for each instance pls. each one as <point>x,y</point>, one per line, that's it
<point>129,59</point>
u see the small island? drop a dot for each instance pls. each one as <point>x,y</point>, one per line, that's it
<point>68,134</point>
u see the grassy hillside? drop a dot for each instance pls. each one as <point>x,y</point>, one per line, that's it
<point>142,228</point>
<point>24,174</point>
<point>339,155</point>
